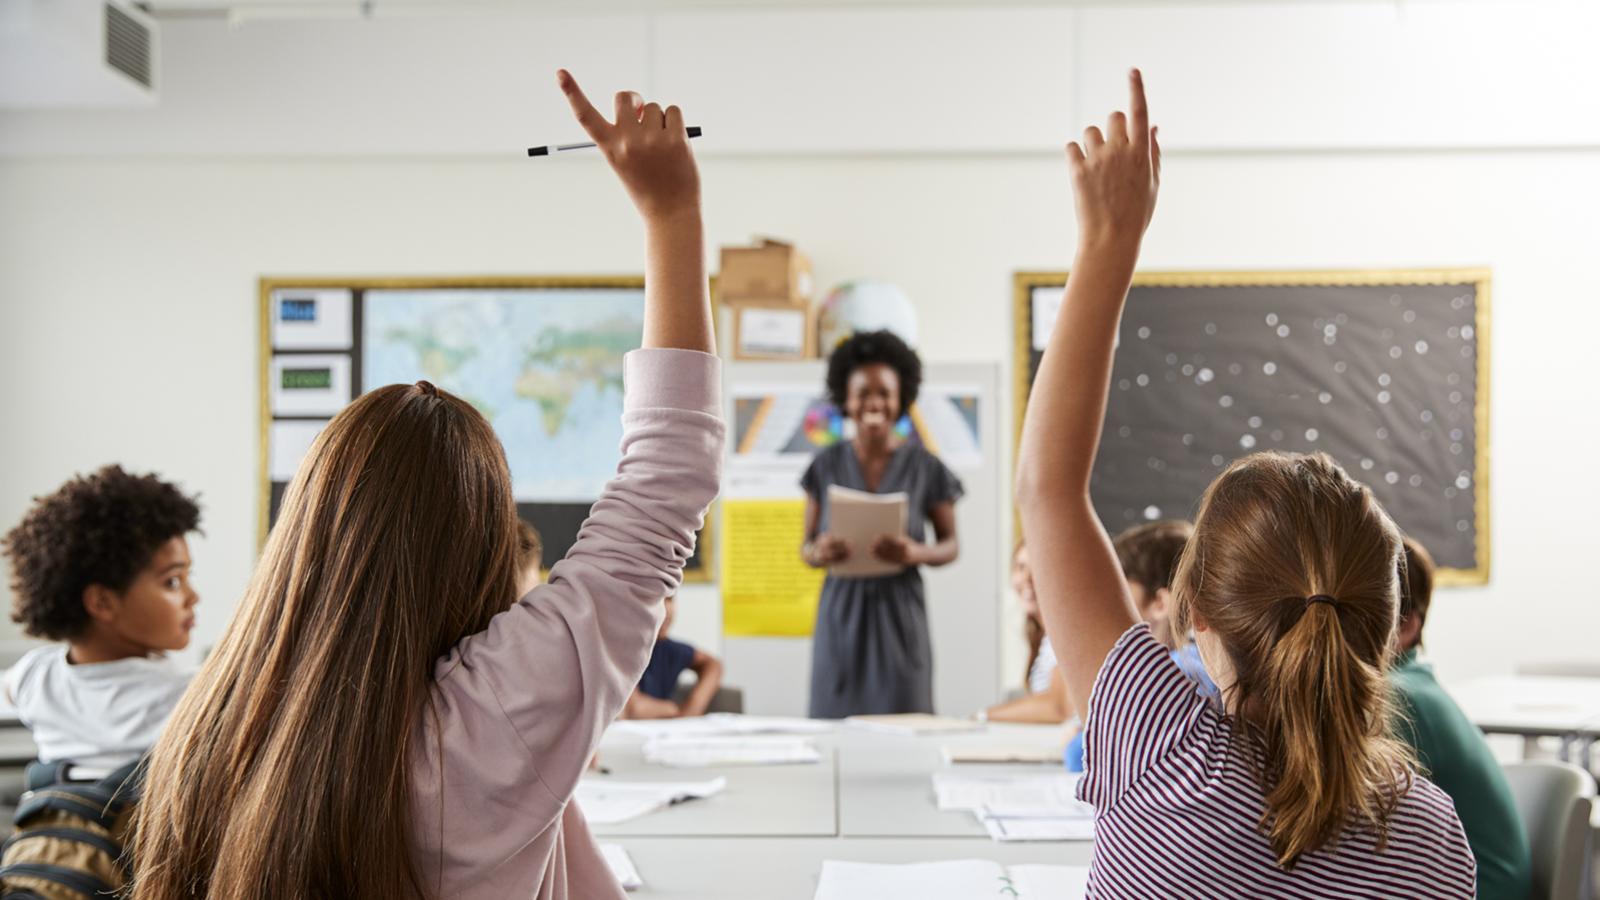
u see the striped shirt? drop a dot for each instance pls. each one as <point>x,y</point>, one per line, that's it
<point>1177,804</point>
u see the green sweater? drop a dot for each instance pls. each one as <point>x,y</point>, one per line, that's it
<point>1458,760</point>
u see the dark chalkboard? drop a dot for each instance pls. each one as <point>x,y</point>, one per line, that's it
<point>1384,371</point>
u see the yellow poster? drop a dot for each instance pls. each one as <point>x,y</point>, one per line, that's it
<point>766,589</point>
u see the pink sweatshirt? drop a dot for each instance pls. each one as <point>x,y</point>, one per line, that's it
<point>521,706</point>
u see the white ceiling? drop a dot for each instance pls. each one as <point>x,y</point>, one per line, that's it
<point>350,8</point>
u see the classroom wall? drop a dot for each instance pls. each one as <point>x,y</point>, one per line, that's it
<point>127,281</point>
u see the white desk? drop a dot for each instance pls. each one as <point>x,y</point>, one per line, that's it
<point>870,799</point>
<point>766,801</point>
<point>886,782</point>
<point>788,868</point>
<point>1532,706</point>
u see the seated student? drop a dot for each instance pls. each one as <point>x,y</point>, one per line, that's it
<point>1296,786</point>
<point>383,717</point>
<point>1149,556</point>
<point>530,557</point>
<point>102,565</point>
<point>1452,750</point>
<point>1046,698</point>
<point>653,698</point>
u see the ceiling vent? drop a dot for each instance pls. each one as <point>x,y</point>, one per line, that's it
<point>76,53</point>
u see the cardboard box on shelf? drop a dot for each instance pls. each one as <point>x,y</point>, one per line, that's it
<point>771,270</point>
<point>772,329</point>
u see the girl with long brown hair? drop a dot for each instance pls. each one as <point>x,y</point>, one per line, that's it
<point>1294,786</point>
<point>383,718</point>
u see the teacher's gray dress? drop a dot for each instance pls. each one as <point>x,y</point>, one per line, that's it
<point>871,652</point>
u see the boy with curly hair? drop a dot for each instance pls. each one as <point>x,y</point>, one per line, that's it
<point>102,565</point>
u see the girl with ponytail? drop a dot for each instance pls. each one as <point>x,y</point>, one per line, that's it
<point>1293,785</point>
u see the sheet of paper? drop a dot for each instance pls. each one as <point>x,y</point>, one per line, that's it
<point>739,750</point>
<point>1002,753</point>
<point>859,518</point>
<point>721,724</point>
<point>914,724</point>
<point>606,802</point>
<point>1036,882</point>
<point>1072,828</point>
<point>1051,793</point>
<point>960,879</point>
<point>621,866</point>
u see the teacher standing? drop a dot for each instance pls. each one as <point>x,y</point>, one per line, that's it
<point>871,652</point>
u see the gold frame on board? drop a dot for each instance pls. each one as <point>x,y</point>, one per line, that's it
<point>266,286</point>
<point>1480,279</point>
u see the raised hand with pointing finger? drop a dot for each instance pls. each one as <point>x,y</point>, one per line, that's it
<point>1116,174</point>
<point>647,146</point>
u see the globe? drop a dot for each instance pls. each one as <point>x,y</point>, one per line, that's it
<point>865,306</point>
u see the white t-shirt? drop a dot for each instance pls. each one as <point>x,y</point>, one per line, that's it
<point>1044,668</point>
<point>97,715</point>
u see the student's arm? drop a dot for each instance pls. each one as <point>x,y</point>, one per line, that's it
<point>708,674</point>
<point>904,551</point>
<point>536,690</point>
<point>1082,594</point>
<point>643,706</point>
<point>648,148</point>
<point>1049,706</point>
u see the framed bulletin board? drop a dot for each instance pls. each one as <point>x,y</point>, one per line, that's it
<point>541,358</point>
<point>1386,371</point>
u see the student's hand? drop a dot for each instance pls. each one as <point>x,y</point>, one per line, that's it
<point>897,549</point>
<point>648,148</point>
<point>1116,174</point>
<point>827,550</point>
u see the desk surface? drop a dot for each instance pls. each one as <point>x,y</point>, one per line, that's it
<point>788,868</point>
<point>869,799</point>
<point>767,801</point>
<point>1530,705</point>
<point>886,782</point>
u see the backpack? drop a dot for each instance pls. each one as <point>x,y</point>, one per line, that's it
<point>68,839</point>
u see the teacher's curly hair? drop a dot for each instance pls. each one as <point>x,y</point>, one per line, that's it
<point>865,348</point>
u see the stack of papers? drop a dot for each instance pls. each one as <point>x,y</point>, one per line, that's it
<point>720,724</point>
<point>860,518</point>
<point>621,866</point>
<point>961,879</point>
<point>1002,753</point>
<point>914,724</point>
<point>607,802</point>
<point>736,750</point>
<point>1022,807</point>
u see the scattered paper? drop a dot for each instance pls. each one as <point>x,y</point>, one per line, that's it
<point>606,802</point>
<point>859,518</point>
<point>1044,794</point>
<point>621,866</point>
<point>741,750</point>
<point>914,724</point>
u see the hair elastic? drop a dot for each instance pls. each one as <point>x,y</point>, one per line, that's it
<point>1321,598</point>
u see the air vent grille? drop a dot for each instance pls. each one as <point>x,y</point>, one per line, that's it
<point>127,45</point>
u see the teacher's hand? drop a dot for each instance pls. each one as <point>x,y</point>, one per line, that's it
<point>897,549</point>
<point>827,550</point>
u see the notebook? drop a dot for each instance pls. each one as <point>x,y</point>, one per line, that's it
<point>961,879</point>
<point>1002,753</point>
<point>859,518</point>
